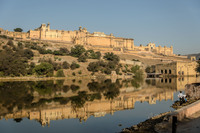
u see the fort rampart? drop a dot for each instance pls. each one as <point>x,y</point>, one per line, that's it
<point>83,37</point>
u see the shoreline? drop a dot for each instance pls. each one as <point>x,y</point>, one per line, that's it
<point>163,121</point>
<point>4,79</point>
<point>33,78</point>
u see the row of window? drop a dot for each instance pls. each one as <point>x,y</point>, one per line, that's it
<point>166,72</point>
<point>170,72</point>
<point>166,80</point>
<point>181,73</point>
<point>170,80</point>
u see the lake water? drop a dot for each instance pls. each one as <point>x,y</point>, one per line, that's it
<point>84,105</point>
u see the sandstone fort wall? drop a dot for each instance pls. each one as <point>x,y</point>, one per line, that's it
<point>83,37</point>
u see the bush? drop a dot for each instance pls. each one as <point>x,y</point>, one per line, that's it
<point>10,43</point>
<point>60,73</point>
<point>49,51</point>
<point>198,67</point>
<point>44,69</point>
<point>77,50</point>
<point>57,53</point>
<point>74,74</point>
<point>28,53</point>
<point>32,65</point>
<point>111,57</point>
<point>117,70</point>
<point>20,45</point>
<point>74,65</point>
<point>13,63</point>
<point>111,65</point>
<point>80,72</point>
<point>92,55</point>
<point>97,55</point>
<point>1,74</point>
<point>139,74</point>
<point>42,51</point>
<point>107,71</point>
<point>104,67</point>
<point>56,66</point>
<point>64,51</point>
<point>65,65</point>
<point>93,66</point>
<point>82,58</point>
<point>135,68</point>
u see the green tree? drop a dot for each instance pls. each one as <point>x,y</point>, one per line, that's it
<point>93,66</point>
<point>74,65</point>
<point>198,67</point>
<point>110,56</point>
<point>93,55</point>
<point>13,63</point>
<point>135,68</point>
<point>97,55</point>
<point>77,50</point>
<point>82,58</point>
<point>18,29</point>
<point>64,51</point>
<point>44,69</point>
<point>60,73</point>
<point>65,65</point>
<point>28,53</point>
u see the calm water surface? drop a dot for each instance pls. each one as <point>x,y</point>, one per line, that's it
<point>84,106</point>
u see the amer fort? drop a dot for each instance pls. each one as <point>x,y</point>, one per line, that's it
<point>166,62</point>
<point>83,37</point>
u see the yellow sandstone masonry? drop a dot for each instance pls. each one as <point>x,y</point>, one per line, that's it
<point>83,37</point>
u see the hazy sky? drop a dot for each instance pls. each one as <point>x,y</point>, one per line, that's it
<point>164,22</point>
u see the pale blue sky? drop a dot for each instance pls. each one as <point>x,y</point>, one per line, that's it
<point>164,22</point>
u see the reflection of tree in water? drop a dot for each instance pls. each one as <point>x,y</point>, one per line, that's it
<point>18,120</point>
<point>44,87</point>
<point>79,101</point>
<point>59,84</point>
<point>15,94</point>
<point>136,82</point>
<point>19,95</point>
<point>66,88</point>
<point>107,88</point>
<point>74,88</point>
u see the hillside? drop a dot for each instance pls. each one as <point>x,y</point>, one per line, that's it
<point>47,59</point>
<point>28,58</point>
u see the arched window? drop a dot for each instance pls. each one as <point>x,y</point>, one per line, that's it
<point>170,80</point>
<point>162,71</point>
<point>179,72</point>
<point>182,72</point>
<point>170,71</point>
<point>165,71</point>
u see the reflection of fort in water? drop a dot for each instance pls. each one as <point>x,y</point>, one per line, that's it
<point>150,91</point>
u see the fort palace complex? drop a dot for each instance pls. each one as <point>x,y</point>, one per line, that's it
<point>98,40</point>
<point>83,37</point>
